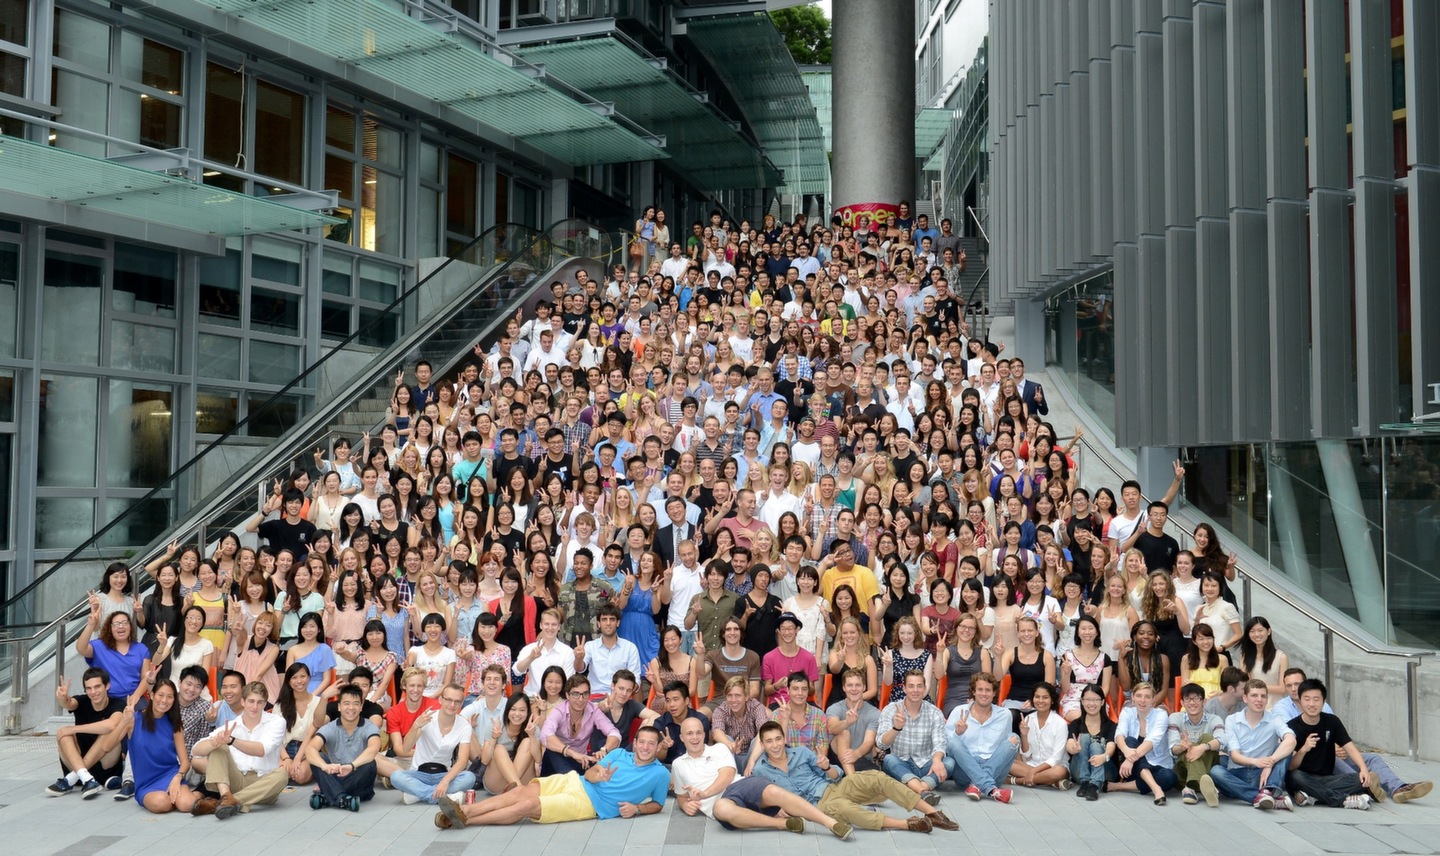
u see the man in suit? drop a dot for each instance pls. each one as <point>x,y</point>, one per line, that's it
<point>1031,393</point>
<point>668,538</point>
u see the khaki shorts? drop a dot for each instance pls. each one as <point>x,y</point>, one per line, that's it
<point>563,799</point>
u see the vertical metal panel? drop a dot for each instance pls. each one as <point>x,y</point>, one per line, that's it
<point>1152,373</point>
<point>1129,350</point>
<point>1102,184</point>
<point>1212,226</point>
<point>1332,351</point>
<point>1289,280</point>
<point>1181,379</point>
<point>1376,309</point>
<point>1122,94</point>
<point>1422,129</point>
<point>1250,378</point>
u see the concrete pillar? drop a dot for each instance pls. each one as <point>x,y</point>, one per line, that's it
<point>864,103</point>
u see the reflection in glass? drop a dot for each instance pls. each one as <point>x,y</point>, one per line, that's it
<point>144,281</point>
<point>70,327</point>
<point>63,521</point>
<point>9,298</point>
<point>147,521</point>
<point>216,411</point>
<point>220,289</point>
<point>279,132</point>
<point>138,434</point>
<point>219,356</point>
<point>68,407</point>
<point>142,347</point>
<point>7,487</point>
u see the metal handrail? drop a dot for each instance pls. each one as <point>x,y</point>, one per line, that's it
<point>1329,628</point>
<point>978,224</point>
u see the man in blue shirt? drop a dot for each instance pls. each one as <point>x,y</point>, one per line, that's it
<point>1260,748</point>
<point>623,784</point>
<point>798,770</point>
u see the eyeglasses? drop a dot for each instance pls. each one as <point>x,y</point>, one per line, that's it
<point>452,700</point>
<point>577,695</point>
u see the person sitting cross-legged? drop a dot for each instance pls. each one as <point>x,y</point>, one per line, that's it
<point>342,755</point>
<point>979,740</point>
<point>913,730</point>
<point>1260,747</point>
<point>1318,735</point>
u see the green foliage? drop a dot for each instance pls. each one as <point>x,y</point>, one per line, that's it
<point>807,33</point>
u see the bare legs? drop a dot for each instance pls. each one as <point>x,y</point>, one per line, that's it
<point>1022,773</point>
<point>523,803</point>
<point>504,772</point>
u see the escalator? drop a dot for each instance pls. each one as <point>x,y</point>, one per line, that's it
<point>465,299</point>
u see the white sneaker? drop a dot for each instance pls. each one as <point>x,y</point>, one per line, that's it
<point>409,799</point>
<point>1358,801</point>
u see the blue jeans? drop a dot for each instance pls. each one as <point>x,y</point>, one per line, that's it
<point>1164,776</point>
<point>1080,770</point>
<point>903,771</point>
<point>422,785</point>
<point>1243,783</point>
<point>1378,768</point>
<point>983,773</point>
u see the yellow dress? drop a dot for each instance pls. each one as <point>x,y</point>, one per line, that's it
<point>214,629</point>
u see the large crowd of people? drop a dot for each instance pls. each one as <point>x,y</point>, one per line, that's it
<point>752,523</point>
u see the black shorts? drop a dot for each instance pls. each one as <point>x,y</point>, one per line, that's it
<point>747,793</point>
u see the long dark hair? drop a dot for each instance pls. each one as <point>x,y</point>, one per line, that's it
<point>1249,652</point>
<point>147,713</point>
<point>115,568</point>
<point>286,701</point>
<point>359,600</point>
<point>1192,655</point>
<point>517,698</point>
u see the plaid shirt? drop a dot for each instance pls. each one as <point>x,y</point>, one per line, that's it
<point>576,433</point>
<point>810,732</point>
<point>742,727</point>
<point>822,519</point>
<point>805,371</point>
<point>192,720</point>
<point>922,736</point>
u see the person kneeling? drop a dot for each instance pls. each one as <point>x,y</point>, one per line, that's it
<point>342,755</point>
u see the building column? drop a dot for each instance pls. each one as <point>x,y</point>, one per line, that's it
<point>864,102</point>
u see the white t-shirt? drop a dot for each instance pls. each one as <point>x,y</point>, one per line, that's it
<point>744,348</point>
<point>436,748</point>
<point>701,772</point>
<point>434,666</point>
<point>1122,527</point>
<point>685,583</point>
<point>806,453</point>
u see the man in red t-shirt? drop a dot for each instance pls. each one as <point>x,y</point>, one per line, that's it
<point>404,721</point>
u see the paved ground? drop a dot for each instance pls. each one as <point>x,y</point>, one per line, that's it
<point>1037,822</point>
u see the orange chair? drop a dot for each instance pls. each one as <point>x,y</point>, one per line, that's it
<point>213,682</point>
<point>1004,690</point>
<point>1179,682</point>
<point>827,686</point>
<point>884,695</point>
<point>941,689</point>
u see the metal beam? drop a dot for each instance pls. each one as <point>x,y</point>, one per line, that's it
<point>556,32</point>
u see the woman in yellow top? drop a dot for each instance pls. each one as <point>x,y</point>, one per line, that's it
<point>210,598</point>
<point>1203,662</point>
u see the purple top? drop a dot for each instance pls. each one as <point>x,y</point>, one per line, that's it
<point>558,724</point>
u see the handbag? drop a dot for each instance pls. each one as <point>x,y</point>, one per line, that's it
<point>637,249</point>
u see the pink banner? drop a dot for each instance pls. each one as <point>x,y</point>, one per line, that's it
<point>876,211</point>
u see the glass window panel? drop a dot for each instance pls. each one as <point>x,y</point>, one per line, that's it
<point>274,311</point>
<point>342,233</point>
<point>143,521</point>
<point>381,210</point>
<point>15,21</point>
<point>274,419</point>
<point>219,356</point>
<point>60,236</point>
<point>12,74</point>
<point>383,145</point>
<point>429,162</point>
<point>279,132</point>
<point>273,362</point>
<point>69,520</point>
<point>138,434</point>
<point>340,175</point>
<point>340,129</point>
<point>379,328</point>
<point>379,283</point>
<point>335,278</point>
<point>216,411</point>
<point>276,261</point>
<point>7,400</point>
<point>68,409</point>
<point>9,298</point>
<point>82,40</point>
<point>220,289</point>
<point>142,347</point>
<point>462,197</point>
<point>159,121</point>
<point>70,328</point>
<point>224,135</point>
<point>7,488</point>
<point>335,320</point>
<point>151,63</point>
<point>144,281</point>
<point>430,236</point>
<point>84,104</point>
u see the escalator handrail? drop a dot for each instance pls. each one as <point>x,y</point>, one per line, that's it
<point>537,236</point>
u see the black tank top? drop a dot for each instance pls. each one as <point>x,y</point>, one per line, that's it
<point>1024,677</point>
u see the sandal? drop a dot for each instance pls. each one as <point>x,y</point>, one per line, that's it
<point>1159,800</point>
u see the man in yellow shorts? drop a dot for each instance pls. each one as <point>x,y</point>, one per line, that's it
<point>623,784</point>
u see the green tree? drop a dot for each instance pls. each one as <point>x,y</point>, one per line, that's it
<point>807,33</point>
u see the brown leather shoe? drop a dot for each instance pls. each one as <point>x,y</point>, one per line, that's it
<point>204,806</point>
<point>940,820</point>
<point>227,807</point>
<point>918,823</point>
<point>441,821</point>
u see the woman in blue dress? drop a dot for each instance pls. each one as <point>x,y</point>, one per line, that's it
<point>637,595</point>
<point>157,747</point>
